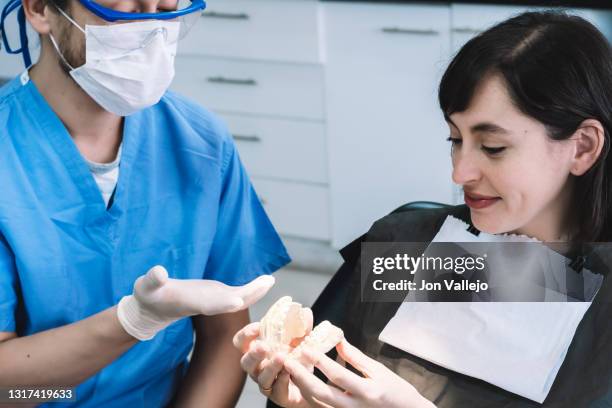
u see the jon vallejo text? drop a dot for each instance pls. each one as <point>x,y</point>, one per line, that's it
<point>404,262</point>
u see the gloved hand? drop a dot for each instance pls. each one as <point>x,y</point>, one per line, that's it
<point>158,300</point>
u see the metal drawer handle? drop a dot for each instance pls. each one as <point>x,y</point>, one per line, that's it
<point>227,16</point>
<point>231,81</point>
<point>246,138</point>
<point>466,30</point>
<point>399,30</point>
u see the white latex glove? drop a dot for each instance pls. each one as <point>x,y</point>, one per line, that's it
<point>158,300</point>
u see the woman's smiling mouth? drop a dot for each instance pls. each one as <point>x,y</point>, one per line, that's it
<point>478,201</point>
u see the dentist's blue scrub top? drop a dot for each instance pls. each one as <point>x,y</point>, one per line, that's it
<point>183,200</point>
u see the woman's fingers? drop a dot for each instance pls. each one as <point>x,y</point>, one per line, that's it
<point>269,371</point>
<point>313,389</point>
<point>242,340</point>
<point>281,385</point>
<point>336,374</point>
<point>252,359</point>
<point>357,359</point>
<point>280,388</point>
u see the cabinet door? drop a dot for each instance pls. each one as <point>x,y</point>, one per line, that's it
<point>276,30</point>
<point>386,133</point>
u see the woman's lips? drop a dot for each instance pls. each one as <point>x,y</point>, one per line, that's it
<point>478,202</point>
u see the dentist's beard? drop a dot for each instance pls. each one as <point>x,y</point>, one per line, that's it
<point>73,51</point>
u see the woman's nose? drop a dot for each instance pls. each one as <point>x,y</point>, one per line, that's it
<point>465,169</point>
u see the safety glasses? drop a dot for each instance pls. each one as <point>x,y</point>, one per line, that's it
<point>185,14</point>
<point>184,8</point>
<point>124,36</point>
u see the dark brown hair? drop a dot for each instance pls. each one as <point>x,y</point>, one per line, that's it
<point>62,4</point>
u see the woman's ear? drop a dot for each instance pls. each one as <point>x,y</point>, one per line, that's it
<point>37,13</point>
<point>589,141</point>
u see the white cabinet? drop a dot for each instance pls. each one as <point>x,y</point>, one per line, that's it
<point>257,64</point>
<point>386,135</point>
<point>269,30</point>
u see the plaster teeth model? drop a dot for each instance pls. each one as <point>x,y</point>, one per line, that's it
<point>287,321</point>
<point>324,337</point>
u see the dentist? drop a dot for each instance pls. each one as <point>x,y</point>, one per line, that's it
<point>106,175</point>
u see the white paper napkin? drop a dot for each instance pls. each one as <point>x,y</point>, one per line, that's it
<point>517,346</point>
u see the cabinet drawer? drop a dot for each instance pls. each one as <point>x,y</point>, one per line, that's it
<point>281,149</point>
<point>296,209</point>
<point>281,30</point>
<point>372,26</point>
<point>275,89</point>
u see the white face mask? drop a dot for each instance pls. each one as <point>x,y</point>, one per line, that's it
<point>129,66</point>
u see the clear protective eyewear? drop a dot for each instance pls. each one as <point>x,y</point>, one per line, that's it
<point>186,14</point>
<point>143,28</point>
<point>183,8</point>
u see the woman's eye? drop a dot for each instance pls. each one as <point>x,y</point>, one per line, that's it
<point>493,150</point>
<point>454,140</point>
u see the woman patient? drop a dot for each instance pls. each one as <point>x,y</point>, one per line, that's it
<point>529,109</point>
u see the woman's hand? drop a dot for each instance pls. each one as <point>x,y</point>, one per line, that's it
<point>266,369</point>
<point>380,388</point>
